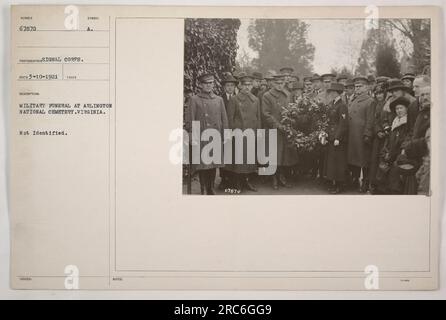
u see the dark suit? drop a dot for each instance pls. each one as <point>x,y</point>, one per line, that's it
<point>226,100</point>
<point>336,157</point>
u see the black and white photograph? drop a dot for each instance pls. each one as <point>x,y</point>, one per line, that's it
<point>306,107</point>
<point>309,125</point>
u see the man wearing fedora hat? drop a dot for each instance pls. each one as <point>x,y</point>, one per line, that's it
<point>419,83</point>
<point>272,103</point>
<point>243,113</point>
<point>415,145</point>
<point>398,89</point>
<point>360,112</point>
<point>337,130</point>
<point>229,85</point>
<point>208,110</point>
<point>237,87</point>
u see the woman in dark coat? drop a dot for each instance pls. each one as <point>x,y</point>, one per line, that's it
<point>392,182</point>
<point>381,128</point>
<point>336,156</point>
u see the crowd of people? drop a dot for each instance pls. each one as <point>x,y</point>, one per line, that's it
<point>377,138</point>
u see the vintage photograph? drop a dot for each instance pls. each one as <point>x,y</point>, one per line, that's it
<point>308,125</point>
<point>303,107</point>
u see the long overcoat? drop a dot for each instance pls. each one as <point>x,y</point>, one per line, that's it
<point>382,120</point>
<point>244,113</point>
<point>209,111</point>
<point>360,112</point>
<point>390,153</point>
<point>336,157</point>
<point>415,145</point>
<point>272,103</point>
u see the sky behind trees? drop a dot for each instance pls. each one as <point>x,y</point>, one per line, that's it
<point>337,42</point>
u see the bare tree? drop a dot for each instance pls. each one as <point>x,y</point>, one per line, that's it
<point>418,32</point>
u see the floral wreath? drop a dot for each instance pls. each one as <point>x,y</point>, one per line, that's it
<point>305,123</point>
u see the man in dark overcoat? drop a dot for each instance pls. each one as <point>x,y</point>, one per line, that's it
<point>244,114</point>
<point>415,146</point>
<point>419,83</point>
<point>361,114</point>
<point>208,110</point>
<point>272,103</point>
<point>229,84</point>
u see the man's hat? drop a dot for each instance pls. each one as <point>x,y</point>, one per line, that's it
<point>229,78</point>
<point>278,75</point>
<point>295,77</point>
<point>360,78</point>
<point>396,84</point>
<point>380,87</point>
<point>370,78</point>
<point>244,77</point>
<point>286,70</point>
<point>316,77</point>
<point>205,77</point>
<point>335,86</point>
<point>342,76</point>
<point>270,75</point>
<point>328,75</point>
<point>307,78</point>
<point>409,76</point>
<point>257,75</point>
<point>349,83</point>
<point>399,101</point>
<point>382,79</point>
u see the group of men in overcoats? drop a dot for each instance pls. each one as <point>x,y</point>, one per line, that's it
<point>377,135</point>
